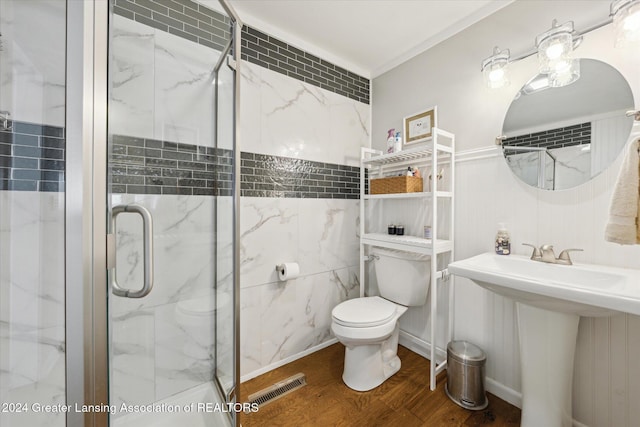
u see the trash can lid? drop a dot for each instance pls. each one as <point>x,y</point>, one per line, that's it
<point>465,351</point>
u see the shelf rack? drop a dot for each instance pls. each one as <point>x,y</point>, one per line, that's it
<point>435,154</point>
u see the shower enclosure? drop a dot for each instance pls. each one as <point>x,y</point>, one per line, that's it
<point>118,213</point>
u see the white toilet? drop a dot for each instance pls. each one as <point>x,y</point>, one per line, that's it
<point>368,327</point>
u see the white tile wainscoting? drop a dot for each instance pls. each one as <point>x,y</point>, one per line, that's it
<point>606,376</point>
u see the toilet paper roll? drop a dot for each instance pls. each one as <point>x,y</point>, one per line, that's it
<point>288,270</point>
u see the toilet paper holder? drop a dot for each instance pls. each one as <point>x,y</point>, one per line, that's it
<point>287,270</point>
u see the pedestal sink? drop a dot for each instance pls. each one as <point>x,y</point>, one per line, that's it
<point>550,298</point>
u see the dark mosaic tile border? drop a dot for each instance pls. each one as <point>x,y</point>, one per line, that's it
<point>149,166</point>
<point>32,157</point>
<point>183,18</point>
<point>264,175</point>
<point>276,55</point>
<point>195,22</point>
<point>554,138</point>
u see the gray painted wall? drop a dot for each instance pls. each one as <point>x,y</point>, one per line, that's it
<point>487,193</point>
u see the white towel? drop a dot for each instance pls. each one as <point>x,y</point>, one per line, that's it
<point>624,226</point>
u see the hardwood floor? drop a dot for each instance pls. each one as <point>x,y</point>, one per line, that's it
<point>403,400</point>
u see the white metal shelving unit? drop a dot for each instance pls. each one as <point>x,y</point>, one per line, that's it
<point>434,154</point>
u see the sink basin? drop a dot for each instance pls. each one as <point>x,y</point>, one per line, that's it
<point>550,298</point>
<point>584,290</point>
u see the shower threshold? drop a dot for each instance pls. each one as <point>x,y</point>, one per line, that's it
<point>201,406</point>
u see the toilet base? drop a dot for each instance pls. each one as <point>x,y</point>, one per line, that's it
<point>367,366</point>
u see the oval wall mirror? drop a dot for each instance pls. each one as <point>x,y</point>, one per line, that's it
<point>560,137</point>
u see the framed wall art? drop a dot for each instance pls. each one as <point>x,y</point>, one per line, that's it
<point>418,127</point>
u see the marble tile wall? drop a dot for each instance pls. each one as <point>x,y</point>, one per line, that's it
<point>286,117</point>
<point>281,118</point>
<point>32,63</point>
<point>32,311</point>
<point>161,85</point>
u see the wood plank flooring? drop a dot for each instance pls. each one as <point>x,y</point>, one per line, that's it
<point>403,400</point>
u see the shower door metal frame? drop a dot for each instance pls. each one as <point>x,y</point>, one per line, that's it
<point>234,63</point>
<point>87,375</point>
<point>86,209</point>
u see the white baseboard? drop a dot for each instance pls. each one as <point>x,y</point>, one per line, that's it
<point>423,348</point>
<point>503,392</point>
<point>420,346</point>
<point>286,360</point>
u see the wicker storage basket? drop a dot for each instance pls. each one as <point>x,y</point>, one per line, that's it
<point>396,184</point>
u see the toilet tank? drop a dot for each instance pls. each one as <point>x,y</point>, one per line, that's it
<point>403,277</point>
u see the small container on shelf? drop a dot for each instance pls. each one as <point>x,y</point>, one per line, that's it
<point>400,230</point>
<point>391,229</point>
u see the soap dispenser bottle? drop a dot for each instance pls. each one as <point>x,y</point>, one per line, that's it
<point>503,240</point>
<point>397,145</point>
<point>390,140</point>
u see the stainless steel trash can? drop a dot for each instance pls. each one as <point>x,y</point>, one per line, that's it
<point>465,375</point>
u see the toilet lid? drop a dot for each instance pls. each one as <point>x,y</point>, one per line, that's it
<point>364,312</point>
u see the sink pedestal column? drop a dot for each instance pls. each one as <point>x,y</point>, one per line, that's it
<point>547,348</point>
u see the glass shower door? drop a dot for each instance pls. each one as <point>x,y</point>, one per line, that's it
<point>171,305</point>
<point>224,80</point>
<point>32,212</point>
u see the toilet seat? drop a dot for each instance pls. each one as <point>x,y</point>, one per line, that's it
<point>364,312</point>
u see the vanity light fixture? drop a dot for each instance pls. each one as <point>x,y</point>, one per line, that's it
<point>555,54</point>
<point>555,47</point>
<point>495,69</point>
<point>626,21</point>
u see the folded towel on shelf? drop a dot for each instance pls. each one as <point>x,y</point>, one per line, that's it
<point>624,224</point>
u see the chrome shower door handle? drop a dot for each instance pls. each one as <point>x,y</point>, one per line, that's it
<point>147,239</point>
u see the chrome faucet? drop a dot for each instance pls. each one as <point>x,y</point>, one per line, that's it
<point>546,254</point>
<point>535,255</point>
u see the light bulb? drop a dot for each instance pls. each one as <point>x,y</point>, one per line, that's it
<point>555,51</point>
<point>564,73</point>
<point>496,75</point>
<point>562,66</point>
<point>495,69</point>
<point>626,21</point>
<point>632,23</point>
